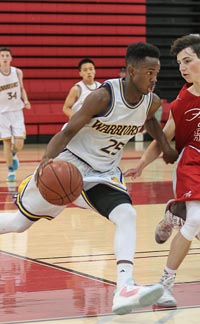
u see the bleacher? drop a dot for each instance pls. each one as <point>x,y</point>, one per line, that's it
<point>49,38</point>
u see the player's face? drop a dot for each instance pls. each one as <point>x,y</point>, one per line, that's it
<point>5,58</point>
<point>189,65</point>
<point>87,73</point>
<point>144,75</point>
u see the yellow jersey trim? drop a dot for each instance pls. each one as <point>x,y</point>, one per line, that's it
<point>124,100</point>
<point>18,202</point>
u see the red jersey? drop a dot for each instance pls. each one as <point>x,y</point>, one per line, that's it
<point>186,113</point>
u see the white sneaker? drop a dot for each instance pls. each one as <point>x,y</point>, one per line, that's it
<point>131,296</point>
<point>167,299</point>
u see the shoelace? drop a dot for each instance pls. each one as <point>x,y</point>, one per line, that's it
<point>167,280</point>
<point>174,220</point>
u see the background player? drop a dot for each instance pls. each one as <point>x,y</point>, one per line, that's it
<point>81,89</point>
<point>13,98</point>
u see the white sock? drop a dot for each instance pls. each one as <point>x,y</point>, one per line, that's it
<point>124,217</point>
<point>169,271</point>
<point>124,272</point>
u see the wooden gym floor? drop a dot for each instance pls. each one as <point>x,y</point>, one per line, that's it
<point>63,271</point>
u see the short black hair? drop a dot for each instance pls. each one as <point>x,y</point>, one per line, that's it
<point>5,49</point>
<point>85,60</point>
<point>138,51</point>
<point>183,42</point>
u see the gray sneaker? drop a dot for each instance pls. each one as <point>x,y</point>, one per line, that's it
<point>167,224</point>
<point>167,299</point>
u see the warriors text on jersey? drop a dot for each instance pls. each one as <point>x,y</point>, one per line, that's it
<point>100,142</point>
<point>10,92</point>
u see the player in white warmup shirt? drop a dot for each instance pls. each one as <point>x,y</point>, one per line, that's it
<point>13,98</point>
<point>81,89</point>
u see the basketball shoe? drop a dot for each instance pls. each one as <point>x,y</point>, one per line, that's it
<point>132,296</point>
<point>167,299</point>
<point>167,224</point>
<point>11,176</point>
<point>15,164</point>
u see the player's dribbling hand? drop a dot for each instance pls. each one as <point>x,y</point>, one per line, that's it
<point>170,156</point>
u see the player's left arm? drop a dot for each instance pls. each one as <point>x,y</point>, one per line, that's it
<point>94,104</point>
<point>155,148</point>
<point>23,90</point>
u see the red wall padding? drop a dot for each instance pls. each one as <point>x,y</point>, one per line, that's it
<point>49,38</point>
<point>121,7</point>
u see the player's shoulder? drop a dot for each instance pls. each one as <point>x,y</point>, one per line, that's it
<point>98,83</point>
<point>181,99</point>
<point>155,99</point>
<point>183,91</point>
<point>18,71</point>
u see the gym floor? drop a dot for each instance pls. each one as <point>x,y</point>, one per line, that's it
<point>63,271</point>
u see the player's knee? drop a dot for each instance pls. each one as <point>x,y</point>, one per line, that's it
<point>18,146</point>
<point>20,229</point>
<point>123,215</point>
<point>191,227</point>
<point>20,223</point>
<point>192,223</point>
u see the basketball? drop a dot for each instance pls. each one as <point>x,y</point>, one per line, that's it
<point>60,183</point>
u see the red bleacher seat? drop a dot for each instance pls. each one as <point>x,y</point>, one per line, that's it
<point>48,39</point>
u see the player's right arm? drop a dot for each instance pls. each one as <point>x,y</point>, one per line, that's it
<point>70,100</point>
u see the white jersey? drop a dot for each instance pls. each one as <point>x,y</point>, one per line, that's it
<point>10,92</point>
<point>85,91</point>
<point>100,142</point>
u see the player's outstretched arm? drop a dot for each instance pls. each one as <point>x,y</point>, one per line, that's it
<point>162,137</point>
<point>154,150</point>
<point>95,103</point>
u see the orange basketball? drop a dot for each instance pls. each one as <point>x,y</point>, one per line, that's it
<point>60,183</point>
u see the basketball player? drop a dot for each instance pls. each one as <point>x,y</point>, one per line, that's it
<point>184,124</point>
<point>13,98</point>
<point>81,89</point>
<point>93,140</point>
